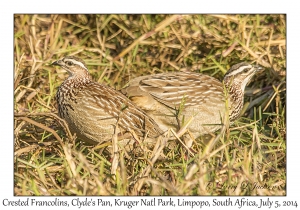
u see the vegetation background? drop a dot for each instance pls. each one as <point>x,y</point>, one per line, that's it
<point>249,158</point>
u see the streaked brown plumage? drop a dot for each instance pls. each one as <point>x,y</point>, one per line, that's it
<point>201,97</point>
<point>92,110</point>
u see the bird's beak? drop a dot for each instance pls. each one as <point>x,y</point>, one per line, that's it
<point>258,68</point>
<point>58,63</point>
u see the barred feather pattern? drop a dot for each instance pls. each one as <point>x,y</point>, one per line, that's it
<point>93,110</point>
<point>202,97</point>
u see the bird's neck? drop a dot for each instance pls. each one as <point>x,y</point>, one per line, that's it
<point>75,83</point>
<point>235,95</point>
<point>78,79</point>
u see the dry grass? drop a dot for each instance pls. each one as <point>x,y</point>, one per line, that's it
<point>116,48</point>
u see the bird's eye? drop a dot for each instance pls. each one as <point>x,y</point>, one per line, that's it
<point>246,70</point>
<point>69,63</point>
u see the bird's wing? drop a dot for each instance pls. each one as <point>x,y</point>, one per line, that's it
<point>176,89</point>
<point>121,108</point>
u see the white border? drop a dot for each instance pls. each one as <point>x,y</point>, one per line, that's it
<point>153,6</point>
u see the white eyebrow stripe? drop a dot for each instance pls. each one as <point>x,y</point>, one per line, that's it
<point>239,69</point>
<point>78,63</point>
<point>244,67</point>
